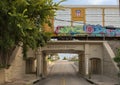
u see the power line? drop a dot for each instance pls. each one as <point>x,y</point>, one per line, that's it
<point>68,21</point>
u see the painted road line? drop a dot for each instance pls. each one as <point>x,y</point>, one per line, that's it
<point>63,81</point>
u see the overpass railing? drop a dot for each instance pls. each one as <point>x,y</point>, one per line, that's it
<point>89,34</point>
<point>82,36</point>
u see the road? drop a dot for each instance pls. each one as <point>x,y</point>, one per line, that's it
<point>63,73</point>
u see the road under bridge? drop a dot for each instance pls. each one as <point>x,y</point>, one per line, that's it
<point>95,57</point>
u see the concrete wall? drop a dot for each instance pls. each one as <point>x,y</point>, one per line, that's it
<point>17,68</point>
<point>92,51</point>
<point>109,66</point>
<point>114,45</point>
<point>2,76</point>
<point>96,51</point>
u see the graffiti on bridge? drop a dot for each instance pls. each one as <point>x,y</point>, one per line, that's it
<point>91,30</point>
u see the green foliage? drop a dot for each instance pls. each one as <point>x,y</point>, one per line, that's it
<point>64,58</point>
<point>117,57</point>
<point>74,59</point>
<point>53,57</point>
<point>21,21</point>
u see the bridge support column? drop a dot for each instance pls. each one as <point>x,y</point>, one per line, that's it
<point>82,64</point>
<point>39,66</point>
<point>44,65</point>
<point>87,55</point>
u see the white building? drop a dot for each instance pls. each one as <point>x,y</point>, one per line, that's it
<point>73,15</point>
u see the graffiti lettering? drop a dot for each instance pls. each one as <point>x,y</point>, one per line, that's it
<point>92,30</point>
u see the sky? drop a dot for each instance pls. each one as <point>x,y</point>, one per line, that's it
<point>62,55</point>
<point>89,2</point>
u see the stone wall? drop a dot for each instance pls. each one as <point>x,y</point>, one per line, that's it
<point>17,68</point>
<point>2,76</point>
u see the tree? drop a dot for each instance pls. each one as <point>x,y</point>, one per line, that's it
<point>64,58</point>
<point>21,23</point>
<point>117,58</point>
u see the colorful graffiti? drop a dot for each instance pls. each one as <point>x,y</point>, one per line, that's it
<point>91,30</point>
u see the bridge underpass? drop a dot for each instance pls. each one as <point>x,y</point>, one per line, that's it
<point>63,73</point>
<point>95,57</point>
<point>71,51</point>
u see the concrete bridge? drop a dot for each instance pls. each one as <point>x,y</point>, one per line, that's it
<point>95,57</point>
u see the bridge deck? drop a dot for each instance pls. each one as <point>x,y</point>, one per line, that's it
<point>85,38</point>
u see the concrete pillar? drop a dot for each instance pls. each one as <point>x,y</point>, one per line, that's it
<point>39,66</point>
<point>82,64</point>
<point>33,66</point>
<point>44,65</point>
<point>87,55</point>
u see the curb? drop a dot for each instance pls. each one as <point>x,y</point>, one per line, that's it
<point>32,82</point>
<point>92,82</point>
<point>35,81</point>
<point>89,80</point>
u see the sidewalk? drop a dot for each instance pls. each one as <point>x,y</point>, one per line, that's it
<point>27,80</point>
<point>50,66</point>
<point>102,80</point>
<point>99,79</point>
<point>31,78</point>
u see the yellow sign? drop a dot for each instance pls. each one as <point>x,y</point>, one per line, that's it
<point>78,14</point>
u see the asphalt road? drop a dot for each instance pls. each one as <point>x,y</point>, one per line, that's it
<point>63,73</point>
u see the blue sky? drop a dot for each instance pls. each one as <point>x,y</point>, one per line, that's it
<point>62,55</point>
<point>89,2</point>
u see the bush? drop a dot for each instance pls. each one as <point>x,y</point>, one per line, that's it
<point>117,57</point>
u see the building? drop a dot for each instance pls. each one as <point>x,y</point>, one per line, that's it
<point>73,15</point>
<point>76,15</point>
